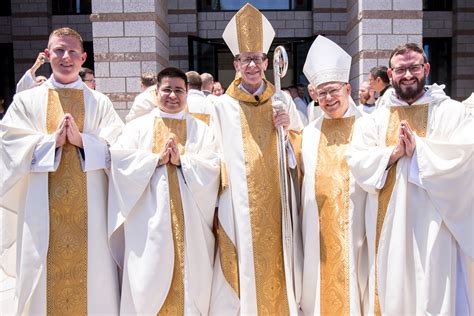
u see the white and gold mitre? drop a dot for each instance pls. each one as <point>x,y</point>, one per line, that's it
<point>326,62</point>
<point>248,31</point>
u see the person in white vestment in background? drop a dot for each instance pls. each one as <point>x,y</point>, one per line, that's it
<point>165,175</point>
<point>30,79</point>
<point>333,223</point>
<point>414,157</point>
<point>253,269</point>
<point>54,149</point>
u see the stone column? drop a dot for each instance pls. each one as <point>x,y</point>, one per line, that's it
<point>463,49</point>
<point>329,19</point>
<point>375,28</point>
<point>129,38</point>
<point>182,18</point>
<point>30,26</point>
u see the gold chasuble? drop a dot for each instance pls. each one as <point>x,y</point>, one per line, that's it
<point>67,189</point>
<point>417,117</point>
<point>261,163</point>
<point>332,196</point>
<point>165,128</point>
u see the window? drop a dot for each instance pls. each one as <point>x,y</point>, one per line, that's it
<point>234,5</point>
<point>438,51</point>
<point>89,49</point>
<point>7,78</point>
<point>5,8</point>
<point>437,5</point>
<point>65,7</point>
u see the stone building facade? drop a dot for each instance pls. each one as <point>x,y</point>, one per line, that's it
<point>129,37</point>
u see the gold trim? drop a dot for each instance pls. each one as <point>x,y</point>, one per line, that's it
<point>332,186</point>
<point>67,190</point>
<point>261,163</point>
<point>202,117</point>
<point>417,117</point>
<point>235,92</point>
<point>228,258</point>
<point>249,29</point>
<point>163,129</point>
<point>224,184</point>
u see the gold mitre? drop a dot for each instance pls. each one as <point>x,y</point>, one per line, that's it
<point>248,31</point>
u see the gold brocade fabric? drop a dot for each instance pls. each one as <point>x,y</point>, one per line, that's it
<point>67,189</point>
<point>163,129</point>
<point>332,187</point>
<point>261,162</point>
<point>417,118</point>
<point>228,258</point>
<point>201,116</point>
<point>249,29</point>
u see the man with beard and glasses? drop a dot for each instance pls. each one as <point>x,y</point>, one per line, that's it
<point>413,156</point>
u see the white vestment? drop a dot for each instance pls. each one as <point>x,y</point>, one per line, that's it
<point>27,81</point>
<point>143,104</point>
<point>313,112</point>
<point>351,262</point>
<point>198,102</point>
<point>28,156</point>
<point>235,210</point>
<point>425,247</point>
<point>302,110</point>
<point>140,224</point>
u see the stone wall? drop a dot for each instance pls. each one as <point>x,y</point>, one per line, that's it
<point>129,38</point>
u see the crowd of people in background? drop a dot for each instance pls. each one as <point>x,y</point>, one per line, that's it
<point>244,200</point>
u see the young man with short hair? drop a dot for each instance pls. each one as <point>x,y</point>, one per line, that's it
<point>55,149</point>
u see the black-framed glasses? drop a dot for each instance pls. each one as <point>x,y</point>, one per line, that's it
<point>413,69</point>
<point>322,94</point>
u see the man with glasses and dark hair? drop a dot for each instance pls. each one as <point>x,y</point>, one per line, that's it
<point>252,276</point>
<point>163,190</point>
<point>333,230</point>
<point>413,156</point>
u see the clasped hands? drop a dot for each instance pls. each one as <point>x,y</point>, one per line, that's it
<point>405,145</point>
<point>170,153</point>
<point>68,131</point>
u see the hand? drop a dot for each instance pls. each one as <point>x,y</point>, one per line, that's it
<point>74,136</point>
<point>38,62</point>
<point>174,153</point>
<point>408,138</point>
<point>165,154</point>
<point>399,150</point>
<point>61,133</point>
<point>281,119</point>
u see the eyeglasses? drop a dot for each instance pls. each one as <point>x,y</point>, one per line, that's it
<point>413,69</point>
<point>247,60</point>
<point>178,91</point>
<point>322,95</point>
<point>90,80</point>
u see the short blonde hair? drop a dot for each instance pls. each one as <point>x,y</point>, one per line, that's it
<point>66,32</point>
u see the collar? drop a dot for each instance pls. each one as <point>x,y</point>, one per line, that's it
<point>52,83</point>
<point>237,92</point>
<point>259,90</point>
<point>177,116</point>
<point>195,92</point>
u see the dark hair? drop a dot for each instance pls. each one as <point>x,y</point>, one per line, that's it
<point>194,80</point>
<point>148,79</point>
<point>66,32</point>
<point>84,71</point>
<point>404,48</point>
<point>380,72</point>
<point>172,72</point>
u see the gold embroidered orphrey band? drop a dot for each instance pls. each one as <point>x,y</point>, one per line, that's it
<point>67,189</point>
<point>417,117</point>
<point>260,149</point>
<point>163,129</point>
<point>332,196</point>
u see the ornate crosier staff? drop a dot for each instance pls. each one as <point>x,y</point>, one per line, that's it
<point>280,66</point>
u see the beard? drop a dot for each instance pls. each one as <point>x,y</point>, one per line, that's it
<point>409,93</point>
<point>364,97</point>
